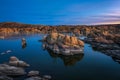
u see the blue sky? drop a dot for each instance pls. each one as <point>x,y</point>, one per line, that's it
<point>57,12</point>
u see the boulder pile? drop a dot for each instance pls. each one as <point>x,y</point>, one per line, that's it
<point>64,44</point>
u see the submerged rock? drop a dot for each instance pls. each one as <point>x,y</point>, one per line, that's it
<point>6,52</point>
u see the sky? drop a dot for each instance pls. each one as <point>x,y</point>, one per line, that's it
<point>60,12</point>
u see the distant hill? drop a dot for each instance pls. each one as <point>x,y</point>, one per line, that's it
<point>10,27</point>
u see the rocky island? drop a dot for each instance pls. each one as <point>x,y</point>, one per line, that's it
<point>63,44</point>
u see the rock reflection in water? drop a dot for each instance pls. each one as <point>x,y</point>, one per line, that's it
<point>68,60</point>
<point>114,54</point>
<point>24,46</point>
<point>24,43</point>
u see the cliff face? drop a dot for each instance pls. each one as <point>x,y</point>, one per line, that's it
<point>57,38</point>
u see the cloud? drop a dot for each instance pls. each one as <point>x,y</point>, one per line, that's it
<point>87,14</point>
<point>110,17</point>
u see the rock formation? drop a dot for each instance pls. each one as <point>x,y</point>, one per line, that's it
<point>16,62</point>
<point>64,44</point>
<point>24,43</point>
<point>11,70</point>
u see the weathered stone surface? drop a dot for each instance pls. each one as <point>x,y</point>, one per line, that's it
<point>33,73</point>
<point>3,77</point>
<point>14,61</point>
<point>34,78</point>
<point>47,77</point>
<point>64,44</point>
<point>13,58</point>
<point>11,70</point>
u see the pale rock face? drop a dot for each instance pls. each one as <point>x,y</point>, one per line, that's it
<point>47,77</point>
<point>34,78</point>
<point>67,39</point>
<point>54,36</point>
<point>14,61</point>
<point>61,39</point>
<point>13,58</point>
<point>81,43</point>
<point>11,70</point>
<point>74,40</point>
<point>33,73</point>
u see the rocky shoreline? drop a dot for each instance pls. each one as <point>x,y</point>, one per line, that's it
<point>16,68</point>
<point>108,47</point>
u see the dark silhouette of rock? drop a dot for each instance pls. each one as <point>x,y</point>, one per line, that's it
<point>24,43</point>
<point>3,77</point>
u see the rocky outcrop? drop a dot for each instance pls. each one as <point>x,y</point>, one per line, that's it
<point>34,78</point>
<point>107,45</point>
<point>64,44</point>
<point>34,75</point>
<point>14,61</point>
<point>24,43</point>
<point>16,69</point>
<point>11,70</point>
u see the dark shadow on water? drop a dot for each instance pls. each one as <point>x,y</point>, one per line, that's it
<point>24,46</point>
<point>68,60</point>
<point>113,56</point>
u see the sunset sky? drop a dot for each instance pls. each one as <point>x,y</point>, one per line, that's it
<point>57,12</point>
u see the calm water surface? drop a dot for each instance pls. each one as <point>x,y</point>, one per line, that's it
<point>92,65</point>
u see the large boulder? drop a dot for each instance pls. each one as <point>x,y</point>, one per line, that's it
<point>3,77</point>
<point>54,38</point>
<point>80,43</point>
<point>33,73</point>
<point>74,40</point>
<point>13,58</point>
<point>14,61</point>
<point>67,40</point>
<point>11,70</point>
<point>64,44</point>
<point>47,77</point>
<point>34,78</point>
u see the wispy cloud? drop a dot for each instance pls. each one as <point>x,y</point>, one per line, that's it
<point>82,14</point>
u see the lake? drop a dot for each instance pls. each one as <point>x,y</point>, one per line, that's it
<point>93,65</point>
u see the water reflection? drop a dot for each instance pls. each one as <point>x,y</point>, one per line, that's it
<point>68,60</point>
<point>24,43</point>
<point>113,55</point>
